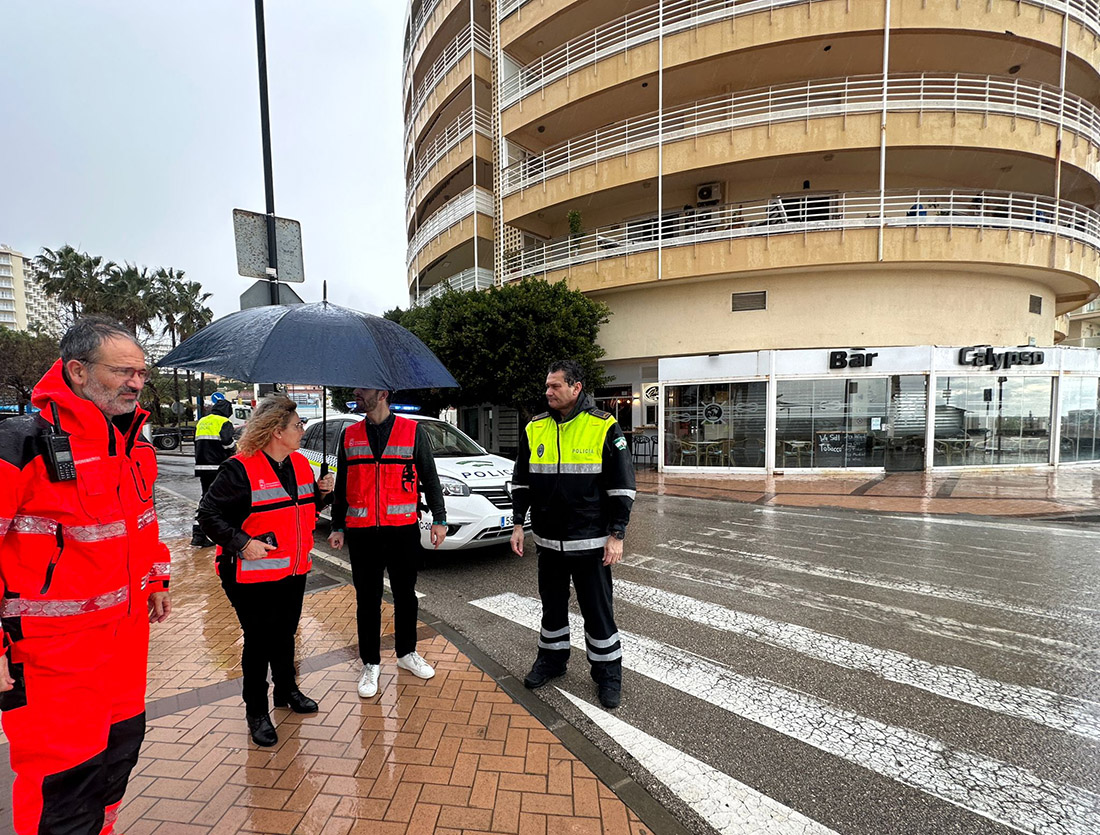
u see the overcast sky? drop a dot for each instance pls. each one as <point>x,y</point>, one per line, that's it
<point>131,130</point>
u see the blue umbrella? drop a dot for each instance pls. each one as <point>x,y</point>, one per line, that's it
<point>319,343</point>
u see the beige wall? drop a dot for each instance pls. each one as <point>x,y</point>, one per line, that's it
<point>836,18</point>
<point>826,309</point>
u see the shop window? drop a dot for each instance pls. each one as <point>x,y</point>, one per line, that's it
<point>1080,419</point>
<point>750,301</point>
<point>831,423</point>
<point>716,425</point>
<point>990,421</point>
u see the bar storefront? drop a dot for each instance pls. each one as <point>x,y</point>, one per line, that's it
<point>893,409</point>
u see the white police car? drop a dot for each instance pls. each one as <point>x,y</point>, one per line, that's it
<point>476,484</point>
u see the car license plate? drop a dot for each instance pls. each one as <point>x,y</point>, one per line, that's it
<point>506,521</point>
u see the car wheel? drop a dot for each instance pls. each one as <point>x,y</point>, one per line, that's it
<point>166,442</point>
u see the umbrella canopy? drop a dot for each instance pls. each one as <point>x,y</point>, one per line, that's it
<point>319,343</point>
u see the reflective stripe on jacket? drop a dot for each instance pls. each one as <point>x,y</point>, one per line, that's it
<point>78,552</point>
<point>384,491</point>
<point>576,477</point>
<point>291,518</point>
<point>210,448</point>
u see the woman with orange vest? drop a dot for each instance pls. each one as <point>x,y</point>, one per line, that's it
<point>261,511</point>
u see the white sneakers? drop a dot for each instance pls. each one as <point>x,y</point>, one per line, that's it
<point>416,665</point>
<point>368,680</point>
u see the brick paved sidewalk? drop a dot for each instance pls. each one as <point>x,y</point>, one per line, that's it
<point>1032,493</point>
<point>454,754</point>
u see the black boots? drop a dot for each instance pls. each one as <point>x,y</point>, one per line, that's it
<point>543,671</point>
<point>198,538</point>
<point>609,684</point>
<point>297,701</point>
<point>263,732</point>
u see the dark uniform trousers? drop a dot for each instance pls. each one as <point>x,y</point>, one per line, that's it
<point>269,614</point>
<point>592,580</point>
<point>394,549</point>
<point>205,480</point>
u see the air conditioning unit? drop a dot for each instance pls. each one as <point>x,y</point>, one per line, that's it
<point>708,194</point>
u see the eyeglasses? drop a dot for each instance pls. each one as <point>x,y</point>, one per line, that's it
<point>124,372</point>
<point>298,424</point>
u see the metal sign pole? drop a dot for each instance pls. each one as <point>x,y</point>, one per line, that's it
<point>265,132</point>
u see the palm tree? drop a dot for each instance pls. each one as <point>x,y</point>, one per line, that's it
<point>196,316</point>
<point>74,278</point>
<point>130,295</point>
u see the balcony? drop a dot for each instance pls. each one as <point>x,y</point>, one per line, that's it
<point>682,16</point>
<point>469,40</point>
<point>443,144</point>
<point>471,279</point>
<point>844,213</point>
<point>919,93</point>
<point>473,199</point>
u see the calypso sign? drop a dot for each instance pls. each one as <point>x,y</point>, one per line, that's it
<point>980,356</point>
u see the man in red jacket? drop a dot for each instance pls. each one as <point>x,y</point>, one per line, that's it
<point>83,575</point>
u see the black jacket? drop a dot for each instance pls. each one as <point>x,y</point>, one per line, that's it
<point>572,509</point>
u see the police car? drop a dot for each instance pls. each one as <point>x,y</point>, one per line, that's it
<point>476,484</point>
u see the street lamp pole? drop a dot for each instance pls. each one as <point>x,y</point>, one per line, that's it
<point>265,133</point>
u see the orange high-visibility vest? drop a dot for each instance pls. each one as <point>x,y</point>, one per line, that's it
<point>290,518</point>
<point>382,492</point>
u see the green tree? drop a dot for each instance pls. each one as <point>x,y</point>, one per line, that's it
<point>128,294</point>
<point>26,358</point>
<point>74,278</point>
<point>498,343</point>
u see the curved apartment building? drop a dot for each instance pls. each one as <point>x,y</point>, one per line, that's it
<point>756,187</point>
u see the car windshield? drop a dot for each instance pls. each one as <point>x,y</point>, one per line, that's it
<point>446,441</point>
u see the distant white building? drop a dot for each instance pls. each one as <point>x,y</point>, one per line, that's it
<point>23,303</point>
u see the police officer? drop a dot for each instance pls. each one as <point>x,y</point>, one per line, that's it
<point>383,465</point>
<point>82,575</point>
<point>214,444</point>
<point>573,472</point>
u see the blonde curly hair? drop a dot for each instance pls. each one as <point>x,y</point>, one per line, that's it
<point>274,412</point>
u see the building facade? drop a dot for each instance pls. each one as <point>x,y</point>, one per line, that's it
<point>23,304</point>
<point>736,178</point>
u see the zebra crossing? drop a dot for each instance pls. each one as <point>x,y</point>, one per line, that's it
<point>942,668</point>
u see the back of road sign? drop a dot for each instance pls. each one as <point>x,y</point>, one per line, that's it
<point>250,234</point>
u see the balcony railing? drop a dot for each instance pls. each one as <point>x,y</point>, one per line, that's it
<point>455,133</point>
<point>416,26</point>
<point>814,213</point>
<point>471,279</point>
<point>506,7</point>
<point>1091,307</point>
<point>450,213</point>
<point>469,39</point>
<point>917,93</point>
<point>644,26</point>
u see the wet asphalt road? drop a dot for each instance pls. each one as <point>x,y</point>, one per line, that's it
<point>804,671</point>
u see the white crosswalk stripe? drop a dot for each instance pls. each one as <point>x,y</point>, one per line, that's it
<point>1083,615</point>
<point>728,805</point>
<point>1063,713</point>
<point>995,789</point>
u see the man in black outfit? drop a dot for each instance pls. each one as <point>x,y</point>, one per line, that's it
<point>214,444</point>
<point>383,464</point>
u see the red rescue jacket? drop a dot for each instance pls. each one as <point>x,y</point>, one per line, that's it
<point>291,518</point>
<point>82,552</point>
<point>382,492</point>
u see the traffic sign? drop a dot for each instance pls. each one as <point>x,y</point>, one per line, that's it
<point>217,397</point>
<point>259,295</point>
<point>250,234</point>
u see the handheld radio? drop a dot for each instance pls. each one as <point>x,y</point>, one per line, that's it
<point>60,465</point>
